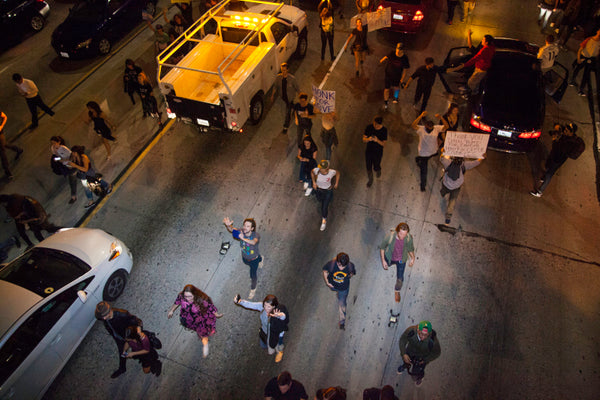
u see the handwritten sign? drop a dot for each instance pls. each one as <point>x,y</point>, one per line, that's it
<point>374,20</point>
<point>465,144</point>
<point>324,99</point>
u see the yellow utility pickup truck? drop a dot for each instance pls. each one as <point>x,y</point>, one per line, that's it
<point>215,75</point>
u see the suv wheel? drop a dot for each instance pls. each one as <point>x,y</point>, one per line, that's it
<point>37,22</point>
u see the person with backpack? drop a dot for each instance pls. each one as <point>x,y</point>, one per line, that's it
<point>61,156</point>
<point>337,274</point>
<point>454,177</point>
<point>418,346</point>
<point>565,144</point>
<point>86,172</point>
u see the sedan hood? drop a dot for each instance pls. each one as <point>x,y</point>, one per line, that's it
<point>72,32</point>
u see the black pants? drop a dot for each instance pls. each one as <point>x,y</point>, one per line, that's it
<point>373,159</point>
<point>289,106</point>
<point>423,91</point>
<point>451,5</point>
<point>122,360</point>
<point>131,89</point>
<point>33,103</point>
<point>588,65</point>
<point>149,105</point>
<point>422,163</point>
<point>3,158</point>
<point>326,37</point>
<point>324,196</point>
<point>37,230</point>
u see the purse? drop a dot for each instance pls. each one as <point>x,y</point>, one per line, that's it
<point>154,341</point>
<point>263,336</point>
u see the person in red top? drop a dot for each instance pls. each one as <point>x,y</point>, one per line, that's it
<point>482,61</point>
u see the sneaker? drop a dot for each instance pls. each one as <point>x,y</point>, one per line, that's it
<point>572,83</point>
<point>117,373</point>
<point>308,191</point>
<point>260,264</point>
<point>305,185</point>
<point>109,190</point>
<point>284,131</point>
<point>279,356</point>
<point>19,152</point>
<point>251,294</point>
<point>536,193</point>
<point>72,200</point>
<point>419,381</point>
<point>415,107</point>
<point>385,105</point>
<point>323,226</point>
<point>370,183</point>
<point>422,188</point>
<point>401,369</point>
<point>378,174</point>
<point>447,221</point>
<point>205,350</point>
<point>449,22</point>
<point>342,325</point>
<point>397,297</point>
<point>89,204</point>
<point>271,351</point>
<point>580,93</point>
<point>357,74</point>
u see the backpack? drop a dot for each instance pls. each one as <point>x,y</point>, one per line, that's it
<point>154,341</point>
<point>453,170</point>
<point>577,148</point>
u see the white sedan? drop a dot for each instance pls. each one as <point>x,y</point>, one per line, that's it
<point>47,301</point>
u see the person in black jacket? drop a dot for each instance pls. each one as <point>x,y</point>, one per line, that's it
<point>274,319</point>
<point>27,213</point>
<point>564,144</point>
<point>130,79</point>
<point>116,322</point>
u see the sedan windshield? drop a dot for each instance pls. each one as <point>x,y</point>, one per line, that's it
<point>43,271</point>
<point>88,11</point>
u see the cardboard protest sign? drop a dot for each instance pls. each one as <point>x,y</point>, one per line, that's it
<point>374,20</point>
<point>465,144</point>
<point>324,99</point>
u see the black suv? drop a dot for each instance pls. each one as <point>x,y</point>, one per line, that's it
<point>18,17</point>
<point>94,25</point>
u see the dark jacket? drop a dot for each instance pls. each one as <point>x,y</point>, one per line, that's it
<point>276,326</point>
<point>120,321</point>
<point>427,350</point>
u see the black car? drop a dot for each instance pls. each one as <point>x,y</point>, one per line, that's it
<point>511,103</point>
<point>94,25</point>
<point>18,17</point>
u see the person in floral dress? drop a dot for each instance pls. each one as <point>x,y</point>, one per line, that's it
<point>197,313</point>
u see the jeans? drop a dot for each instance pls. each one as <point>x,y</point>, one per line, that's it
<point>253,264</point>
<point>551,168</point>
<point>33,103</point>
<point>342,296</point>
<point>279,346</point>
<point>304,174</point>
<point>424,92</point>
<point>400,267</point>
<point>422,163</point>
<point>324,196</point>
<point>88,192</point>
<point>451,200</point>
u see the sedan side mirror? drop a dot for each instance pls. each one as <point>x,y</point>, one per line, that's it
<point>82,296</point>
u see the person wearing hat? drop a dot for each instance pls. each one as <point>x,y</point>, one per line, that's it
<point>418,346</point>
<point>395,71</point>
<point>116,321</point>
<point>565,144</point>
<point>323,179</point>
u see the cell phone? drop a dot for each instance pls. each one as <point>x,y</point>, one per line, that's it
<point>125,353</point>
<point>238,298</point>
<point>56,158</point>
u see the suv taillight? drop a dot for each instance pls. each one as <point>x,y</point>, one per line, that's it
<point>418,16</point>
<point>480,125</point>
<point>530,135</point>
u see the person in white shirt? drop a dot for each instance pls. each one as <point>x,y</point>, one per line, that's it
<point>547,54</point>
<point>586,57</point>
<point>323,179</point>
<point>29,90</point>
<point>429,135</point>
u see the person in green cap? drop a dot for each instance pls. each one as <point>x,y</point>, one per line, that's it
<point>418,347</point>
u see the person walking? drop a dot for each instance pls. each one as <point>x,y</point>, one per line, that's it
<point>130,79</point>
<point>249,239</point>
<point>326,28</point>
<point>395,71</point>
<point>62,154</point>
<point>482,61</point>
<point>375,136</point>
<point>304,112</point>
<point>337,274</point>
<point>197,313</point>
<point>30,91</point>
<point>307,154</point>
<point>451,7</point>
<point>322,181</point>
<point>116,321</point>
<point>137,346</point>
<point>329,136</point>
<point>360,47</point>
<point>274,320</point>
<point>4,146</point>
<point>149,104</point>
<point>429,143</point>
<point>87,174</point>
<point>385,393</point>
<point>547,55</point>
<point>331,393</point>
<point>565,144</point>
<point>286,85</point>
<point>283,387</point>
<point>453,179</point>
<point>396,249</point>
<point>586,58</point>
<point>27,212</point>
<point>418,346</point>
<point>102,126</point>
<point>425,76</point>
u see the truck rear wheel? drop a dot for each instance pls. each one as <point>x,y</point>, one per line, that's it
<point>256,109</point>
<point>302,45</point>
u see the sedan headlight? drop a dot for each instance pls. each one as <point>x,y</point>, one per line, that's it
<point>85,43</point>
<point>115,250</point>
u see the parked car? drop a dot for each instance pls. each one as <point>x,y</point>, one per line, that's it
<point>47,300</point>
<point>93,26</point>
<point>512,99</point>
<point>408,16</point>
<point>18,17</point>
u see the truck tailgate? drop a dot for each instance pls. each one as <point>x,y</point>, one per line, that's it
<point>197,112</point>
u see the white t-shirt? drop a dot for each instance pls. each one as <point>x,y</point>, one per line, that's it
<point>428,144</point>
<point>324,181</point>
<point>547,55</point>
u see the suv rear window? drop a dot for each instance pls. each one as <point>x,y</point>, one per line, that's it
<point>43,271</point>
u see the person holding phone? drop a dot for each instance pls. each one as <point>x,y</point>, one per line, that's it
<point>274,319</point>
